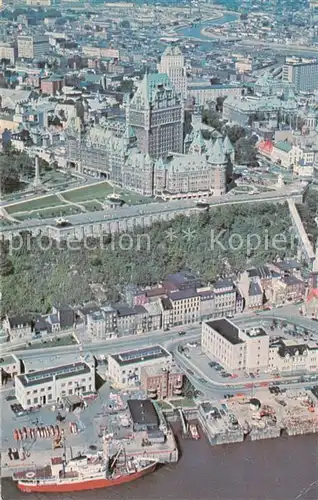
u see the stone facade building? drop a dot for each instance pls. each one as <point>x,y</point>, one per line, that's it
<point>173,64</point>
<point>156,114</point>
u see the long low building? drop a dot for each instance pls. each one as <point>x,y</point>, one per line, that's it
<point>51,385</point>
<point>124,369</point>
<point>125,219</point>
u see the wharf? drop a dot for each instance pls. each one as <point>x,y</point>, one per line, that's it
<point>265,416</point>
<point>107,415</point>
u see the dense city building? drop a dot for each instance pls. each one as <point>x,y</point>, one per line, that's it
<point>33,46</point>
<point>172,63</point>
<point>303,75</point>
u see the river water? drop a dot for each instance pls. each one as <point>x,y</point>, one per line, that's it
<point>275,469</point>
<point>195,31</point>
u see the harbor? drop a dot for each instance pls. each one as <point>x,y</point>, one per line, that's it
<point>269,413</point>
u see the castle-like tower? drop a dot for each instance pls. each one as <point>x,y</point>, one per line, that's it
<point>156,115</point>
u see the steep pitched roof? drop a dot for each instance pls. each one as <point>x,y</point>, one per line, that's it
<point>228,146</point>
<point>172,50</point>
<point>217,155</point>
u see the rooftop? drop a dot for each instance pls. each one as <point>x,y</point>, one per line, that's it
<point>256,332</point>
<point>226,329</point>
<point>143,412</point>
<point>139,355</point>
<point>59,372</point>
<point>7,360</point>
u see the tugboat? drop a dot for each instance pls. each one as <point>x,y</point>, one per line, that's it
<point>84,472</point>
<point>194,431</point>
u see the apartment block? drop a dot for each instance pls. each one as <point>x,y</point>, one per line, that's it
<point>303,75</point>
<point>102,324</point>
<point>18,327</point>
<point>185,306</point>
<point>292,356</point>
<point>160,382</point>
<point>8,51</point>
<point>33,47</point>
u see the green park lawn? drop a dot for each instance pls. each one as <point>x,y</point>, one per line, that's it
<point>57,342</point>
<point>183,403</point>
<point>36,204</point>
<point>92,206</point>
<point>61,211</point>
<point>88,193</point>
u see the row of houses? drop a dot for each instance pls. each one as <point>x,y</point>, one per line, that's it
<point>180,299</point>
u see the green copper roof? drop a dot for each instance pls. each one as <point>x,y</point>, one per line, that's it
<point>227,145</point>
<point>217,155</point>
<point>284,146</point>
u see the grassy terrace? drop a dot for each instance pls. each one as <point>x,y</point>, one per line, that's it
<point>57,342</point>
<point>183,403</point>
<point>62,210</point>
<point>87,193</point>
<point>37,204</point>
<point>91,197</point>
<point>92,206</point>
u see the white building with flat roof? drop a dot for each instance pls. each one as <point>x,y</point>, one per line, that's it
<point>250,349</point>
<point>49,386</point>
<point>10,366</point>
<point>235,348</point>
<point>124,369</point>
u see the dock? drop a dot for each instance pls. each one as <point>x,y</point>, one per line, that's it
<point>265,416</point>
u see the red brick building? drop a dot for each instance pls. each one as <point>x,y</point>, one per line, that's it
<point>160,382</point>
<point>52,85</point>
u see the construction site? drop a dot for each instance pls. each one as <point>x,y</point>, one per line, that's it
<point>268,414</point>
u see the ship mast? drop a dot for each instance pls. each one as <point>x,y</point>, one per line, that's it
<point>64,453</point>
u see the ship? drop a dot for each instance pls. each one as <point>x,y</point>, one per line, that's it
<point>84,472</point>
<point>194,431</point>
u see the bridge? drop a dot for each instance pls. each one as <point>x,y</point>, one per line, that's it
<point>128,218</point>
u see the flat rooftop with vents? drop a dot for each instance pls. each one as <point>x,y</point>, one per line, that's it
<point>60,372</point>
<point>226,329</point>
<point>140,355</point>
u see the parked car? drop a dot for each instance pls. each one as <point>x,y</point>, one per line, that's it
<point>190,372</point>
<point>10,398</point>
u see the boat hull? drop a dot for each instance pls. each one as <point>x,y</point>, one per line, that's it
<point>82,485</point>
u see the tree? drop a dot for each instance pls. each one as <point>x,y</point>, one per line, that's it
<point>212,118</point>
<point>6,266</point>
<point>235,133</point>
<point>126,86</point>
<point>13,166</point>
<point>245,151</point>
<point>219,103</point>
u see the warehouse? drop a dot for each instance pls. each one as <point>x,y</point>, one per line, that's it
<point>48,386</point>
<point>143,415</point>
<point>124,369</point>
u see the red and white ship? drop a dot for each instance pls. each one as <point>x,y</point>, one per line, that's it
<point>84,472</point>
